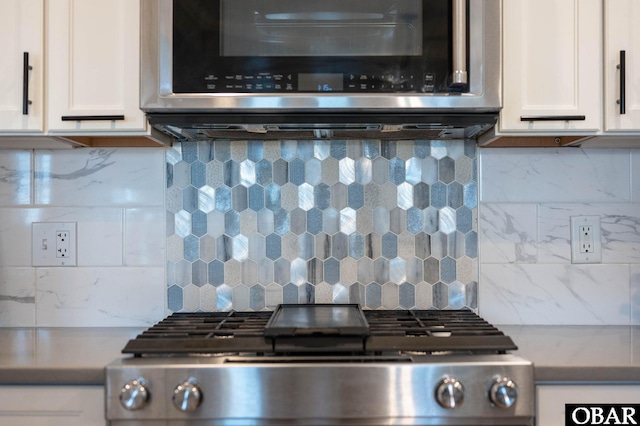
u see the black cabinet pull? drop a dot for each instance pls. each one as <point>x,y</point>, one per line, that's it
<point>92,117</point>
<point>552,118</point>
<point>25,83</point>
<point>622,66</point>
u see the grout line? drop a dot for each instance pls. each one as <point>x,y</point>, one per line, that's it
<point>32,195</point>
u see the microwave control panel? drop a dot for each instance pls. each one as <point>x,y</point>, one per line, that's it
<point>319,82</point>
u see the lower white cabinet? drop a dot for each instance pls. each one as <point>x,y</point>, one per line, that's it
<point>52,405</point>
<point>550,399</point>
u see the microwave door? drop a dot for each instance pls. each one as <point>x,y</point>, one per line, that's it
<point>283,28</point>
<point>379,54</point>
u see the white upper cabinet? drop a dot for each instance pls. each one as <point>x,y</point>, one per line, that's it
<point>93,66</point>
<point>21,36</point>
<point>622,35</point>
<point>552,67</point>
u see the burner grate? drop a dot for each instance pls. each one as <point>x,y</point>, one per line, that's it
<point>426,331</point>
<point>209,325</point>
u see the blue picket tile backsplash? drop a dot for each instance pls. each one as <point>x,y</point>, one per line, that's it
<point>388,225</point>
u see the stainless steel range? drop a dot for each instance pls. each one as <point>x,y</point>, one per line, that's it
<point>320,365</point>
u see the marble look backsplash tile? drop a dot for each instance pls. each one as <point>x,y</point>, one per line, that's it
<point>527,200</point>
<point>634,298</point>
<point>116,196</point>
<point>93,297</point>
<point>384,224</point>
<point>143,244</point>
<point>17,297</point>
<point>15,235</point>
<point>635,176</point>
<point>508,233</point>
<point>97,177</point>
<point>620,229</point>
<point>15,178</point>
<point>99,240</point>
<point>555,294</point>
<point>555,175</point>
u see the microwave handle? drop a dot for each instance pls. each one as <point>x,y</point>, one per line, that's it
<point>459,42</point>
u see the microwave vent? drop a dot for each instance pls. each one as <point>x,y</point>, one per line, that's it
<point>336,126</point>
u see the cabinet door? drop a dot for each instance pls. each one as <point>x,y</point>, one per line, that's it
<point>52,405</point>
<point>621,34</point>
<point>552,66</point>
<point>21,30</point>
<point>550,399</point>
<point>93,66</point>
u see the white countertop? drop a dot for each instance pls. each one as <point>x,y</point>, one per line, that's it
<point>586,354</point>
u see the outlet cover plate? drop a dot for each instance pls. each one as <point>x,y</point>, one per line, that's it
<point>48,246</point>
<point>578,255</point>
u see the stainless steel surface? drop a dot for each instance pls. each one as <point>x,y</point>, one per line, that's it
<point>388,125</point>
<point>450,393</point>
<point>322,391</point>
<point>157,94</point>
<point>134,395</point>
<point>459,42</point>
<point>503,392</point>
<point>187,396</point>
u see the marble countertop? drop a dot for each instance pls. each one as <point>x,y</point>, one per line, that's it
<point>77,356</point>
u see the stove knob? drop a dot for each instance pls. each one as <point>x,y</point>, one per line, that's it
<point>187,396</point>
<point>135,394</point>
<point>503,392</point>
<point>450,393</point>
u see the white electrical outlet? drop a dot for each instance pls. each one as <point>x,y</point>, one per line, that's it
<point>586,246</point>
<point>53,243</point>
<point>63,244</point>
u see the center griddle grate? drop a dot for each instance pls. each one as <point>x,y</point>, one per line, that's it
<point>427,331</point>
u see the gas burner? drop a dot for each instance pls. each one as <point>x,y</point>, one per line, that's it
<point>321,328</point>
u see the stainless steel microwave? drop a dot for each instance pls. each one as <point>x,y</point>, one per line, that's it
<point>261,65</point>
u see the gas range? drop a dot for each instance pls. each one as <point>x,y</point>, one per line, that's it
<point>321,365</point>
